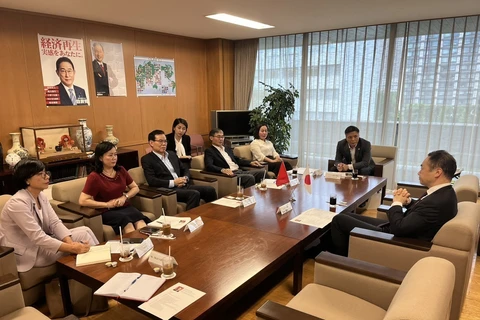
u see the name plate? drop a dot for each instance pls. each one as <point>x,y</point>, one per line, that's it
<point>287,207</point>
<point>294,182</point>
<point>248,201</point>
<point>334,175</point>
<point>194,224</point>
<point>156,258</point>
<point>144,247</point>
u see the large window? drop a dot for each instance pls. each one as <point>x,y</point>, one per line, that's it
<point>414,85</point>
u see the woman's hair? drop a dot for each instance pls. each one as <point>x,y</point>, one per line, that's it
<point>24,170</point>
<point>177,121</point>
<point>256,134</point>
<point>100,150</point>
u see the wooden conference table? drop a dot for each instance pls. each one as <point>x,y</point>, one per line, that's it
<point>236,248</point>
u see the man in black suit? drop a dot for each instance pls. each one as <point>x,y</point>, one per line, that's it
<point>222,160</point>
<point>162,168</point>
<point>70,95</point>
<point>423,218</point>
<point>100,71</point>
<point>354,152</point>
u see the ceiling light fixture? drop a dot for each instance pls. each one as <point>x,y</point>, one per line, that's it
<point>240,21</point>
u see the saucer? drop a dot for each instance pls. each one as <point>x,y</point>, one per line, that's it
<point>354,178</point>
<point>168,277</point>
<point>129,258</point>
<point>262,189</point>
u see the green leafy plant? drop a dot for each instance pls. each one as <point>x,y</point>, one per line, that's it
<point>276,111</point>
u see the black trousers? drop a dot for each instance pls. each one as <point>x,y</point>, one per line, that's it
<point>191,195</point>
<point>343,223</point>
<point>275,167</point>
<point>248,178</point>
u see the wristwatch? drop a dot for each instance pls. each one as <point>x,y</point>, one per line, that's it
<point>126,195</point>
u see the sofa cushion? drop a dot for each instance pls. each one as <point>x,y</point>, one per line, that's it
<point>198,162</point>
<point>68,191</point>
<point>328,303</point>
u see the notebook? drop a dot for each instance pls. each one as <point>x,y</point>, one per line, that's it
<point>133,286</point>
<point>96,254</point>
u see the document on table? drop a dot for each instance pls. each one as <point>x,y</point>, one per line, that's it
<point>115,246</point>
<point>133,286</point>
<point>176,223</point>
<point>315,218</point>
<point>171,301</point>
<point>227,202</point>
<point>272,184</point>
<point>96,254</point>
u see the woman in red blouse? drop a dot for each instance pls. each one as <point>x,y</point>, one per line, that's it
<point>105,189</point>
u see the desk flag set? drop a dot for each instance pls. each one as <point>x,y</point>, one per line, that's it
<point>307,180</point>
<point>282,177</point>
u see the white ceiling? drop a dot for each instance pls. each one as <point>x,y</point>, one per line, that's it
<point>187,17</point>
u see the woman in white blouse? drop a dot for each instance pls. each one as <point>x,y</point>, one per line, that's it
<point>178,140</point>
<point>263,150</point>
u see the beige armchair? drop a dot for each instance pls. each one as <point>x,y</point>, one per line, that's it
<point>12,305</point>
<point>169,196</point>
<point>350,289</point>
<point>245,153</point>
<point>226,184</point>
<point>33,281</point>
<point>65,197</point>
<point>456,241</point>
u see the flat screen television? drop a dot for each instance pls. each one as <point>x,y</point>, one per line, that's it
<point>232,122</point>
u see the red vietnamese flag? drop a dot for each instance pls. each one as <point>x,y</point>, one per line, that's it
<point>282,177</point>
<point>307,180</point>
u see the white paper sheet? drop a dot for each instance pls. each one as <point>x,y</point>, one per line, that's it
<point>227,202</point>
<point>271,184</point>
<point>115,246</point>
<point>171,301</point>
<point>176,223</point>
<point>315,217</point>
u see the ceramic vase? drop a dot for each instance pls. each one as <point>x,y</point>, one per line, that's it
<point>87,132</point>
<point>110,137</point>
<point>16,147</point>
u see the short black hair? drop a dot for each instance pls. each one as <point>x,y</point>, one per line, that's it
<point>256,133</point>
<point>64,59</point>
<point>102,148</point>
<point>443,160</point>
<point>177,121</point>
<point>351,129</point>
<point>213,131</point>
<point>151,135</point>
<point>24,170</point>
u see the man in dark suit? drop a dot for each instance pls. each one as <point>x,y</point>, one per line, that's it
<point>222,160</point>
<point>354,152</point>
<point>70,95</point>
<point>100,71</point>
<point>162,168</point>
<point>423,217</point>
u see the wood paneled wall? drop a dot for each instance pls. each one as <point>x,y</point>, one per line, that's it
<point>200,87</point>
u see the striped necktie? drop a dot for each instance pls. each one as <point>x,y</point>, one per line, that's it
<point>72,97</point>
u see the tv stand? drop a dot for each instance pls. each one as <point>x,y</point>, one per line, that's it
<point>235,141</point>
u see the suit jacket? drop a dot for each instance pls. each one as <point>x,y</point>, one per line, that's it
<point>157,173</point>
<point>363,154</point>
<point>24,228</point>
<point>424,217</point>
<point>65,96</point>
<point>215,162</point>
<point>185,141</point>
<point>101,78</point>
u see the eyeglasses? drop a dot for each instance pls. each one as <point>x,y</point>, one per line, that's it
<point>220,137</point>
<point>63,71</point>
<point>44,174</point>
<point>161,141</point>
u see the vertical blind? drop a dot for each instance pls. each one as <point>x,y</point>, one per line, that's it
<point>414,85</point>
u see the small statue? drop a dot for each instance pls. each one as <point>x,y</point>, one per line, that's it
<point>41,145</point>
<point>66,142</point>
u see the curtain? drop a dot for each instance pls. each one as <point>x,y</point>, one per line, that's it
<point>245,60</point>
<point>414,85</point>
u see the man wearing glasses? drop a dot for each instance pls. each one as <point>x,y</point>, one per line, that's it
<point>70,95</point>
<point>162,168</point>
<point>222,160</point>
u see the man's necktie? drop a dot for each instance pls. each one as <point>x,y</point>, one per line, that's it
<point>103,69</point>
<point>72,97</point>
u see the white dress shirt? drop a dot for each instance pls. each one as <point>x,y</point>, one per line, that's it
<point>233,166</point>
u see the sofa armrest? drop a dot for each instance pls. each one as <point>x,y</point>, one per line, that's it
<point>219,174</point>
<point>4,251</point>
<point>274,311</point>
<point>11,297</point>
<point>148,193</point>
<point>86,212</point>
<point>388,238</point>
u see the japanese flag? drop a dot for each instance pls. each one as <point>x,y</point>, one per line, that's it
<point>307,180</point>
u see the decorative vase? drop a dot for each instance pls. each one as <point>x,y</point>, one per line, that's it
<point>16,147</point>
<point>87,132</point>
<point>110,137</point>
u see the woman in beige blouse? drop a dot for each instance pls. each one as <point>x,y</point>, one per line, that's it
<point>263,150</point>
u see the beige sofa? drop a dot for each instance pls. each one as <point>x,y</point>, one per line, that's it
<point>349,289</point>
<point>226,184</point>
<point>456,241</point>
<point>65,197</point>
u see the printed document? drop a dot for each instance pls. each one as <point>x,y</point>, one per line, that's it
<point>176,223</point>
<point>315,217</point>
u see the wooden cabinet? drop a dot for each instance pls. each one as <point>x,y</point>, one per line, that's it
<point>69,169</point>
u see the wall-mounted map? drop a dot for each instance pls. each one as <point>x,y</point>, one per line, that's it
<point>155,77</point>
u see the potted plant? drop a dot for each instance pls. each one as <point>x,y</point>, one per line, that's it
<point>276,111</point>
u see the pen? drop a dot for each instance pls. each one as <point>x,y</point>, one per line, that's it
<point>131,284</point>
